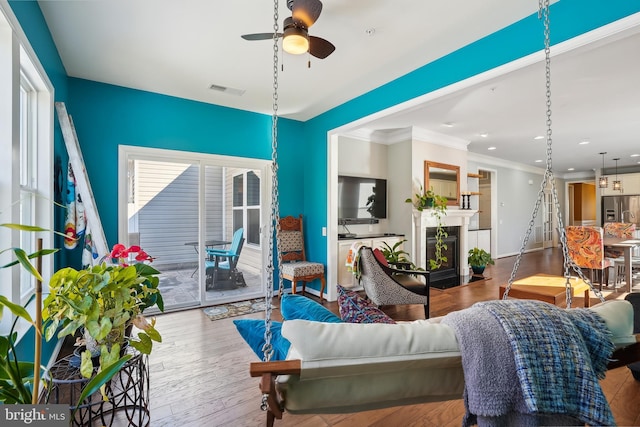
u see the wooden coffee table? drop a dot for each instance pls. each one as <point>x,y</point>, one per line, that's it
<point>547,288</point>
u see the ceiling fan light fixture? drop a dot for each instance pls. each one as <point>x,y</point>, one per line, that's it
<point>295,41</point>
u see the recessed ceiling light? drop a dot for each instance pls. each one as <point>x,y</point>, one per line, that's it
<point>635,155</point>
<point>571,169</point>
<point>484,135</point>
<point>538,137</point>
<point>491,148</point>
<point>448,125</point>
<point>538,161</point>
<point>583,142</point>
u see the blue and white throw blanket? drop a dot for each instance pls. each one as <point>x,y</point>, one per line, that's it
<point>532,363</point>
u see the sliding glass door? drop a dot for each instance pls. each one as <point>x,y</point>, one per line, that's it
<point>201,218</point>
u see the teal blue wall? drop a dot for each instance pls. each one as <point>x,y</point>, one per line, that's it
<point>106,116</point>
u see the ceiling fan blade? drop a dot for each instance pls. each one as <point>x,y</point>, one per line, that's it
<point>320,48</point>
<point>260,36</point>
<point>306,11</point>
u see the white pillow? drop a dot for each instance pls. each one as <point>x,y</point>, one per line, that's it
<point>618,315</point>
<point>316,340</point>
<point>337,349</point>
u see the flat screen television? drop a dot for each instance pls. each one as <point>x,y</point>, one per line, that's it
<point>361,198</point>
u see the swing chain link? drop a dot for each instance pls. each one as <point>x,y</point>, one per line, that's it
<point>568,263</point>
<point>267,348</point>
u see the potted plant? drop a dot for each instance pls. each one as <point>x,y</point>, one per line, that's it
<point>478,260</point>
<point>438,206</point>
<point>393,254</point>
<point>105,301</point>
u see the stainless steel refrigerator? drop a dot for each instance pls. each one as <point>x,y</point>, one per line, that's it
<point>621,209</point>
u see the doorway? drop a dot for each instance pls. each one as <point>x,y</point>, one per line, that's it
<point>582,203</point>
<point>181,207</point>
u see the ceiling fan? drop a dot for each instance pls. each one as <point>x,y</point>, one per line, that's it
<point>296,39</point>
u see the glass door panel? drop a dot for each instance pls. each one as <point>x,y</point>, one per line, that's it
<point>162,218</point>
<point>237,276</point>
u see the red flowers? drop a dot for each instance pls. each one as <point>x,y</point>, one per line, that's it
<point>122,253</point>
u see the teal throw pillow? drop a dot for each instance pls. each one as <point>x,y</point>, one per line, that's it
<point>252,330</point>
<point>293,306</point>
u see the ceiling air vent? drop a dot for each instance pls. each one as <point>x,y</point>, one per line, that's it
<point>229,90</point>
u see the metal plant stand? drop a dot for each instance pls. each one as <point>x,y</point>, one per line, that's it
<point>127,392</point>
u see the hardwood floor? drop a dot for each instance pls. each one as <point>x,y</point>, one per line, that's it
<point>200,373</point>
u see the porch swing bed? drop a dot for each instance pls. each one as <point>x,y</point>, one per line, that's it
<point>352,367</point>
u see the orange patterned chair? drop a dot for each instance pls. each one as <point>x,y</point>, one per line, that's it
<point>586,248</point>
<point>625,230</point>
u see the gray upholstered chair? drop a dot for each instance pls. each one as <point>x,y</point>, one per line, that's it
<point>385,285</point>
<point>295,267</point>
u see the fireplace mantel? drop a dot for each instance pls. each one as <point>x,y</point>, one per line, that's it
<point>454,218</point>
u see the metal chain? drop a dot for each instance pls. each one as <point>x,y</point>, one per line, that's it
<point>274,222</point>
<point>568,263</point>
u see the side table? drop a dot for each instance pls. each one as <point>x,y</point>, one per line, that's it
<point>127,392</point>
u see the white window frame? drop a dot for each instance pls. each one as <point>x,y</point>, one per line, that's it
<point>19,65</point>
<point>245,207</point>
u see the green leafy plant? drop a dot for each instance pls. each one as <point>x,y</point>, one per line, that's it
<point>438,205</point>
<point>17,378</point>
<point>396,256</point>
<point>426,199</point>
<point>103,301</point>
<point>393,254</point>
<point>479,258</point>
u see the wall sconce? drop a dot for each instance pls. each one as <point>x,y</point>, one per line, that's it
<point>603,182</point>
<point>617,185</point>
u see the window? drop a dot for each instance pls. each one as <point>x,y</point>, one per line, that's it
<point>26,163</point>
<point>28,175</point>
<point>246,205</point>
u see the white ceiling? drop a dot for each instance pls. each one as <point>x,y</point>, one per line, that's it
<point>180,48</point>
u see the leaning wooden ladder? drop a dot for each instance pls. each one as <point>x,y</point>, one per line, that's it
<point>84,186</point>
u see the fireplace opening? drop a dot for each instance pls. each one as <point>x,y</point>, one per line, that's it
<point>447,275</point>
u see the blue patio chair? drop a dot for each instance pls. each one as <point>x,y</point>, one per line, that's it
<point>221,265</point>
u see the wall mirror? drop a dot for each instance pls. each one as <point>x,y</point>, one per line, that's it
<point>444,180</point>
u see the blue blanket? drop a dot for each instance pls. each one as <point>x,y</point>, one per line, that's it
<point>554,356</point>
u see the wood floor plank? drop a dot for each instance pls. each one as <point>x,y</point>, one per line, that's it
<point>199,374</point>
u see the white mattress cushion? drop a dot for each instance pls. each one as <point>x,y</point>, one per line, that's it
<point>350,367</point>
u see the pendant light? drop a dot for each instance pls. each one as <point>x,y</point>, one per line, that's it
<point>604,181</point>
<point>617,185</point>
